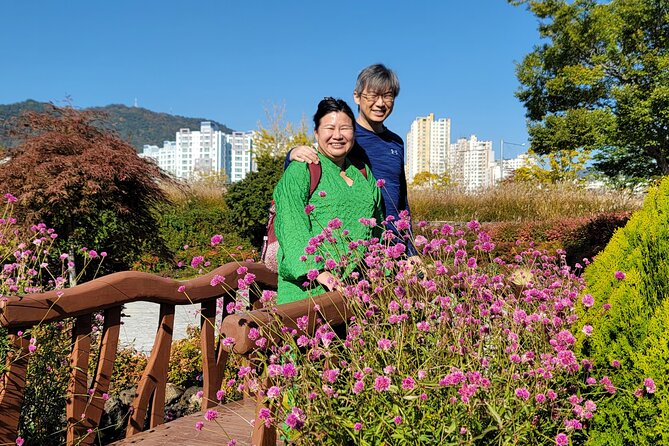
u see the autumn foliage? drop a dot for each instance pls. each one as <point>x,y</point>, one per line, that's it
<point>86,182</point>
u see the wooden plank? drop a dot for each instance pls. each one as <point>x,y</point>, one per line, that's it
<point>152,385</point>
<point>108,348</point>
<point>77,392</point>
<point>12,385</point>
<point>233,421</point>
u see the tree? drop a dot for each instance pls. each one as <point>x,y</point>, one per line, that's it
<point>600,82</point>
<point>248,201</point>
<point>87,183</point>
<point>277,136</point>
<point>432,180</point>
<point>556,167</point>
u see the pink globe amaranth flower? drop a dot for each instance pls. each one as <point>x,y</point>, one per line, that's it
<point>357,427</point>
<point>181,289</point>
<point>273,392</point>
<point>217,280</point>
<point>522,393</point>
<point>93,253</point>
<point>199,425</point>
<point>379,183</point>
<point>619,275</point>
<point>312,274</point>
<point>210,415</point>
<point>322,194</point>
<point>358,387</point>
<point>615,363</point>
<point>561,439</point>
<point>19,440</point>
<point>649,384</point>
<point>308,209</point>
<point>199,394</point>
<point>381,383</point>
<point>330,375</point>
<point>408,383</point>
<point>216,239</point>
<point>232,442</point>
<point>587,300</point>
<point>587,330</point>
<point>220,394</point>
<point>196,261</point>
<point>384,344</point>
<point>397,420</point>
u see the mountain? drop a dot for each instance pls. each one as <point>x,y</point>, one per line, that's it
<point>137,125</point>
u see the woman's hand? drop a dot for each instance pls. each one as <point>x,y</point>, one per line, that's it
<point>328,281</point>
<point>304,154</point>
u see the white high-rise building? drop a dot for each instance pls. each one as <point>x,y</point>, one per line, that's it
<point>164,156</point>
<point>428,144</point>
<point>208,151</point>
<point>240,158</point>
<point>474,163</point>
<point>200,153</point>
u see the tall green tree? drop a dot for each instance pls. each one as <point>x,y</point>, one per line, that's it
<point>599,81</point>
<point>87,183</point>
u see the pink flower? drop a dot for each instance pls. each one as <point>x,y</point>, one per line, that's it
<point>322,194</point>
<point>199,425</point>
<point>330,375</point>
<point>588,301</point>
<point>380,183</point>
<point>522,393</point>
<point>312,274</point>
<point>357,426</point>
<point>210,415</point>
<point>273,392</point>
<point>197,260</point>
<point>619,275</point>
<point>408,383</point>
<point>181,289</point>
<point>199,394</point>
<point>384,344</point>
<point>217,239</point>
<point>587,330</point>
<point>19,440</point>
<point>397,420</point>
<point>220,394</point>
<point>309,208</point>
<point>650,385</point>
<point>12,199</point>
<point>358,387</point>
<point>381,383</point>
<point>561,439</point>
<point>295,419</point>
<point>217,280</point>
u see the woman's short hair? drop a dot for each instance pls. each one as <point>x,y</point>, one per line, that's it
<point>377,78</point>
<point>329,105</point>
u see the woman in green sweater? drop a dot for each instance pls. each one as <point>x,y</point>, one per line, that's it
<point>315,231</point>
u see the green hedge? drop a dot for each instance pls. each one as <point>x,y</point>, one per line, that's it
<point>633,330</point>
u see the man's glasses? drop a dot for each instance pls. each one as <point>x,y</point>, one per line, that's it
<point>388,98</point>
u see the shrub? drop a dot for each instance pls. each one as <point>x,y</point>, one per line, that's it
<point>185,367</point>
<point>87,183</point>
<point>248,200</point>
<point>628,282</point>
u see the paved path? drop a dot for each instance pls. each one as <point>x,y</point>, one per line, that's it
<point>140,325</point>
<point>234,421</point>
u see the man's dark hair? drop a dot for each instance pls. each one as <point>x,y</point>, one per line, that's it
<point>378,79</point>
<point>329,105</point>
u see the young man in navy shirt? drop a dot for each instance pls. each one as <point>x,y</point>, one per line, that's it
<point>375,91</point>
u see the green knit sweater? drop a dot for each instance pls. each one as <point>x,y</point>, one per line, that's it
<point>294,226</point>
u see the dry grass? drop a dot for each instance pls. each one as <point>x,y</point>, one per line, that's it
<point>206,191</point>
<point>518,202</point>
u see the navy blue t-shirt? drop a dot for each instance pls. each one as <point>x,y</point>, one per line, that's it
<point>384,154</point>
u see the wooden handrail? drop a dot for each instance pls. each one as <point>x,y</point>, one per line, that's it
<point>109,293</point>
<point>122,288</point>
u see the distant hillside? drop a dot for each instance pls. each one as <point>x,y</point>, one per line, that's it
<point>137,125</point>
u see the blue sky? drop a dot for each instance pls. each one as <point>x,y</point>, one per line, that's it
<point>230,60</point>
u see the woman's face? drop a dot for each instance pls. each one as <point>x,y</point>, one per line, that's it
<point>335,135</point>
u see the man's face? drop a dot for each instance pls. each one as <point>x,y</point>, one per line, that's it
<point>375,106</point>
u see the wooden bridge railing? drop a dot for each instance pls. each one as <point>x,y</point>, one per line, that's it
<point>85,406</point>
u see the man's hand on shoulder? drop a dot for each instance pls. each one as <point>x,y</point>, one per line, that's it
<point>304,154</point>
